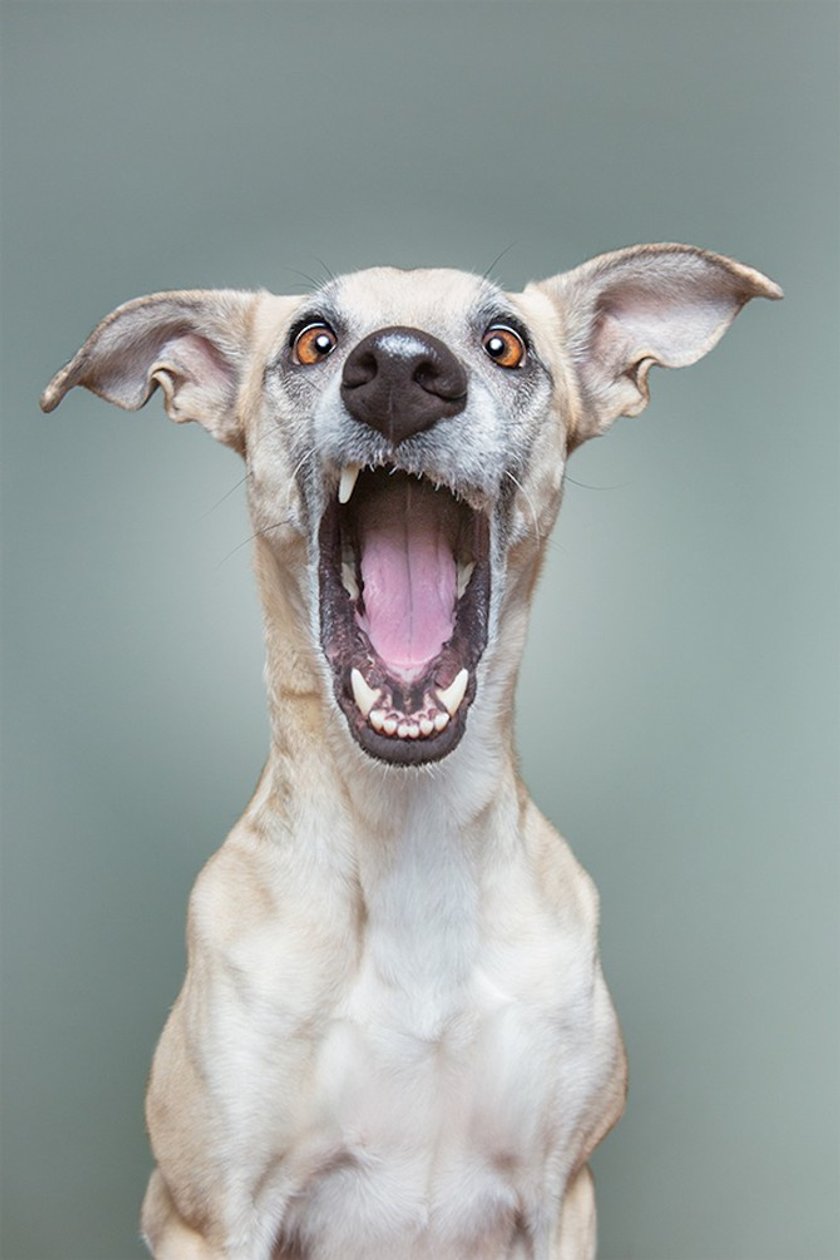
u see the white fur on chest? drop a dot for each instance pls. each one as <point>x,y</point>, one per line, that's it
<point>453,1069</point>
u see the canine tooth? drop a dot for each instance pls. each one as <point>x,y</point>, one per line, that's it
<point>441,721</point>
<point>465,572</point>
<point>426,727</point>
<point>453,695</point>
<point>376,717</point>
<point>363,694</point>
<point>348,580</point>
<point>389,726</point>
<point>349,473</point>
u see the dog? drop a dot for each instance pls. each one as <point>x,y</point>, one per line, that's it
<point>394,1040</point>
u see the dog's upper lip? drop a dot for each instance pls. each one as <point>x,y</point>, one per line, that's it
<point>344,479</point>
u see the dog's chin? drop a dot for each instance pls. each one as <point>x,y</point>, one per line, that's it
<point>404,588</point>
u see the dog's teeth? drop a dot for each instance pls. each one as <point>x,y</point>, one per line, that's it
<point>441,721</point>
<point>389,726</point>
<point>349,473</point>
<point>426,727</point>
<point>376,717</point>
<point>465,572</point>
<point>403,729</point>
<point>363,694</point>
<point>348,580</point>
<point>413,730</point>
<point>453,695</point>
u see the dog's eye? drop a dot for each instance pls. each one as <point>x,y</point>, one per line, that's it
<point>504,346</point>
<point>314,343</point>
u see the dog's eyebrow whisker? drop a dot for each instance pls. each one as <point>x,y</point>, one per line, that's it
<point>303,275</point>
<point>485,275</point>
<point>528,500</point>
<point>321,263</point>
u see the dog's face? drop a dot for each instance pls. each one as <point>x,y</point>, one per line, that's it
<point>408,406</point>
<point>406,434</point>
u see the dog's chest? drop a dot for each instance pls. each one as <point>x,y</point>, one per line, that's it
<point>452,1072</point>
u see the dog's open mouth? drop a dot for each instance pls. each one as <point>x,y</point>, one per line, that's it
<point>404,588</point>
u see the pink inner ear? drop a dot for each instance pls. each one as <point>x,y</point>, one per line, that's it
<point>674,327</point>
<point>197,360</point>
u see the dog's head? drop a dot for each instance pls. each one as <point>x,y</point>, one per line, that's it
<point>406,435</point>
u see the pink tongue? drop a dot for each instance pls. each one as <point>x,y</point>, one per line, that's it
<point>407,534</point>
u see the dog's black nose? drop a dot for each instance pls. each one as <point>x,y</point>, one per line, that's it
<point>401,381</point>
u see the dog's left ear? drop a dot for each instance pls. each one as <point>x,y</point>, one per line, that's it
<point>621,313</point>
<point>193,344</point>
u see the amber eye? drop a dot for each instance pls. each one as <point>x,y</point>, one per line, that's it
<point>314,343</point>
<point>504,346</point>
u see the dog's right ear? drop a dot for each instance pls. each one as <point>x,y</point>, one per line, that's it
<point>621,313</point>
<point>193,344</point>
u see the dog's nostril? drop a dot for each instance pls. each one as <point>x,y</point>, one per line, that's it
<point>449,384</point>
<point>359,369</point>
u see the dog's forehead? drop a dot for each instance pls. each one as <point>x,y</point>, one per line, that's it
<point>420,298</point>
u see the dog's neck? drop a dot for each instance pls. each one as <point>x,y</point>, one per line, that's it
<point>314,767</point>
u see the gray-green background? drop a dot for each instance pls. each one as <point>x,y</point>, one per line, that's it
<point>678,707</point>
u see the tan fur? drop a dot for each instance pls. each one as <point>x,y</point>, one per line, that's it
<point>394,1012</point>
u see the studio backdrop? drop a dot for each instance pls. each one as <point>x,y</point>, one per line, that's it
<point>677,712</point>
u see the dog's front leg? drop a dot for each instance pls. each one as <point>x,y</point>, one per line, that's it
<point>567,1235</point>
<point>228,1105</point>
<point>577,1239</point>
<point>168,1236</point>
<point>165,1233</point>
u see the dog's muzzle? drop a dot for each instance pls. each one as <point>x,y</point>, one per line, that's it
<point>404,568</point>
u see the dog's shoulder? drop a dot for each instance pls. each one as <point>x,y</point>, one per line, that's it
<point>232,889</point>
<point>254,924</point>
<point>567,887</point>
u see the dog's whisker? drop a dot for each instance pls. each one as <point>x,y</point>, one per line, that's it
<point>284,521</point>
<point>299,466</point>
<point>226,495</point>
<point>273,429</point>
<point>301,462</point>
<point>303,275</point>
<point>485,275</point>
<point>329,274</point>
<point>266,529</point>
<point>528,500</point>
<point>584,485</point>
